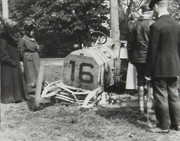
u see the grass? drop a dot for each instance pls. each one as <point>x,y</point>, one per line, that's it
<point>63,122</point>
<point>60,123</point>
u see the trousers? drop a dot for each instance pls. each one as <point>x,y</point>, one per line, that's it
<point>140,67</point>
<point>167,102</point>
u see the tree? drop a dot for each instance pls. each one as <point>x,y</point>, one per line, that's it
<point>62,21</point>
<point>174,8</point>
<point>127,7</point>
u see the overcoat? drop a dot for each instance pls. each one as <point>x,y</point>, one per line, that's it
<point>13,86</point>
<point>29,52</point>
<point>163,52</point>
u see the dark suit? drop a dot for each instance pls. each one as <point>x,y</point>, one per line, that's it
<point>163,65</point>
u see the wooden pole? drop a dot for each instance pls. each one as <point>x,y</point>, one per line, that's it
<point>115,31</point>
<point>5,10</point>
<point>38,98</point>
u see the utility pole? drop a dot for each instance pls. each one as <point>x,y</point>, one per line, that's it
<point>115,32</point>
<point>5,10</point>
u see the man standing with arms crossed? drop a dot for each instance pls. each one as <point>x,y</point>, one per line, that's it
<point>163,66</point>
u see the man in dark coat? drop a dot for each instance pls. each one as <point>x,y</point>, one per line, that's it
<point>163,66</point>
<point>139,47</point>
<point>13,87</point>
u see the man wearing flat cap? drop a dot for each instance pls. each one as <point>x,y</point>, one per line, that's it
<point>163,66</point>
<point>138,50</point>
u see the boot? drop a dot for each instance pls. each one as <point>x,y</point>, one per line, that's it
<point>141,98</point>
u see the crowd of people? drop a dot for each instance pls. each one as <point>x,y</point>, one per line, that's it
<point>155,52</point>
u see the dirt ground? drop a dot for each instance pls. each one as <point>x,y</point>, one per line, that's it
<point>62,122</point>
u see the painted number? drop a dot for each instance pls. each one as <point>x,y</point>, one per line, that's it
<point>72,70</point>
<point>82,74</point>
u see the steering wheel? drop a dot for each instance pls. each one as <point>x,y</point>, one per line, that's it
<point>98,38</point>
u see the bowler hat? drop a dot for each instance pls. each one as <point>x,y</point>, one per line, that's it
<point>153,2</point>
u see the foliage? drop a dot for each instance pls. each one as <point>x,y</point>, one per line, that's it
<point>174,8</point>
<point>62,22</point>
<point>127,7</point>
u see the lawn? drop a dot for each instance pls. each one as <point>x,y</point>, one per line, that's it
<point>64,122</point>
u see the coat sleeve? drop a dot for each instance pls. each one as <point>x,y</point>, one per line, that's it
<point>5,57</point>
<point>131,40</point>
<point>152,50</point>
<point>21,48</point>
<point>38,47</point>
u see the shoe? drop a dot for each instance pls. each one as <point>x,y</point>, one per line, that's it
<point>177,128</point>
<point>159,130</point>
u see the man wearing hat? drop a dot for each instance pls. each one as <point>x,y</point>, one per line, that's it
<point>138,50</point>
<point>163,66</point>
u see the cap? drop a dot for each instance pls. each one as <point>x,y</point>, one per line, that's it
<point>133,16</point>
<point>153,2</point>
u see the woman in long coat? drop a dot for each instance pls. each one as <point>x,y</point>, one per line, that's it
<point>13,86</point>
<point>29,53</point>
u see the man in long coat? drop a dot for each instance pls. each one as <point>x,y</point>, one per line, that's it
<point>163,65</point>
